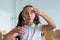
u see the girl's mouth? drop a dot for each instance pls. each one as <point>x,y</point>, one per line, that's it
<point>29,18</point>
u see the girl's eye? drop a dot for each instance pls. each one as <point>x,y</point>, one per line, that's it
<point>26,12</point>
<point>33,11</point>
<point>30,13</point>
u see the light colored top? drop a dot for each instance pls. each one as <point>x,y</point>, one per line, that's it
<point>33,32</point>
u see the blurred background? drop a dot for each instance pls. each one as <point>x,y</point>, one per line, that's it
<point>10,9</point>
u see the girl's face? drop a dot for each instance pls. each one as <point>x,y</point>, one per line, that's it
<point>28,15</point>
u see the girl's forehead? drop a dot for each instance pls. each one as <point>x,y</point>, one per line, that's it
<point>28,9</point>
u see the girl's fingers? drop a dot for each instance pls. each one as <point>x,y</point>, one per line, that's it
<point>21,29</point>
<point>35,10</point>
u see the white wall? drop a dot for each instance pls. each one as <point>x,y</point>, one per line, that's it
<point>7,14</point>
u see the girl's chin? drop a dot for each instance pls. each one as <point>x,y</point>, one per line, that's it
<point>29,20</point>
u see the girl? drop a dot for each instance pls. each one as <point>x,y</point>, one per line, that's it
<point>29,26</point>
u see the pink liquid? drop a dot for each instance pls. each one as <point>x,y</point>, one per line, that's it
<point>22,33</point>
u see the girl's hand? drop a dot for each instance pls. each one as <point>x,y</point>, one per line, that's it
<point>13,33</point>
<point>37,11</point>
<point>17,29</point>
<point>21,31</point>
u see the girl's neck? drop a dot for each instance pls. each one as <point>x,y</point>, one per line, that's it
<point>29,23</point>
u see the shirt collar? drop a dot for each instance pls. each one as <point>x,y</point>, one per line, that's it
<point>32,26</point>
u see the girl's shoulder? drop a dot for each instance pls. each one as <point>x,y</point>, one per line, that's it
<point>41,24</point>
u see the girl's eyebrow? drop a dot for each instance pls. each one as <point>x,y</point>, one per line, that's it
<point>33,10</point>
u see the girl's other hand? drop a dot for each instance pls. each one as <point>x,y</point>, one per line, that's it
<point>37,11</point>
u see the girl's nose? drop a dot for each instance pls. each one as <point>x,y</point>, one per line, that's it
<point>29,14</point>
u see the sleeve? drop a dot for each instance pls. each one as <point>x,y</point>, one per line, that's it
<point>40,26</point>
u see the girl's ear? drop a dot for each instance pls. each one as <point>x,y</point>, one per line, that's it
<point>23,16</point>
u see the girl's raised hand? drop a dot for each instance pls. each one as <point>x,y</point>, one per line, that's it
<point>37,11</point>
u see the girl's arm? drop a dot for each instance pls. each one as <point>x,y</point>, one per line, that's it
<point>12,34</point>
<point>51,24</point>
